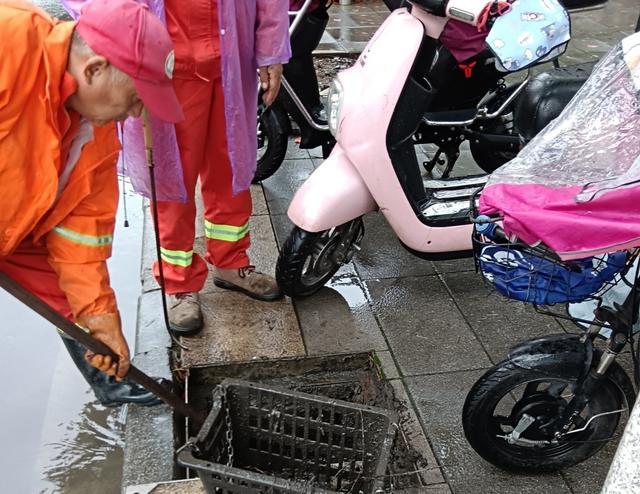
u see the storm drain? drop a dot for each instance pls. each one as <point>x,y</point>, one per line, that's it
<point>308,424</point>
<point>263,439</point>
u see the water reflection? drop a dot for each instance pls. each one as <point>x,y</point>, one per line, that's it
<point>88,458</point>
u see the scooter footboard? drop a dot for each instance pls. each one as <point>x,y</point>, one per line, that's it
<point>334,194</point>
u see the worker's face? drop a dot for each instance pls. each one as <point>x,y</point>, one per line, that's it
<point>105,95</point>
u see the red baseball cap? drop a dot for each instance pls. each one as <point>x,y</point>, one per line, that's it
<point>136,42</point>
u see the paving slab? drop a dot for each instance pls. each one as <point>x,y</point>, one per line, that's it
<point>589,476</point>
<point>339,319</point>
<point>238,328</point>
<point>439,399</point>
<point>382,255</point>
<point>387,364</point>
<point>193,486</point>
<point>150,429</point>
<point>498,322</point>
<point>425,331</point>
<point>280,187</point>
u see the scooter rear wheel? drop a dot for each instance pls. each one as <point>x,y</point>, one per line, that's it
<point>490,412</point>
<point>273,135</point>
<point>308,260</point>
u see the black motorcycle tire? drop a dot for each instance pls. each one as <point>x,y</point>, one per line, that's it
<point>494,385</point>
<point>296,252</point>
<point>275,126</point>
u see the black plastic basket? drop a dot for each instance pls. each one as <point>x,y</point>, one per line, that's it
<point>288,442</point>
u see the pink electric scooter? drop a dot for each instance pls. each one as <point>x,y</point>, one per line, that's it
<point>377,109</point>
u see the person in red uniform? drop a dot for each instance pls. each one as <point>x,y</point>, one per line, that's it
<point>203,140</point>
<point>62,85</point>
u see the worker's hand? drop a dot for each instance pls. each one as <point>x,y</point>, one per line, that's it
<point>107,329</point>
<point>270,77</point>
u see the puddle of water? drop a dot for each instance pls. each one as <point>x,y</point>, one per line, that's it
<point>60,439</point>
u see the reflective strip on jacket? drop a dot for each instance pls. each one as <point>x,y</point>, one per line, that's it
<point>77,222</point>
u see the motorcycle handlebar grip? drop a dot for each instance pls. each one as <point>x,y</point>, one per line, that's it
<point>436,7</point>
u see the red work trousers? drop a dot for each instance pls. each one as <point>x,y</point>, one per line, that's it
<point>203,150</point>
<point>28,266</point>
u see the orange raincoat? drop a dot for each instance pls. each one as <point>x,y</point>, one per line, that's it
<point>65,205</point>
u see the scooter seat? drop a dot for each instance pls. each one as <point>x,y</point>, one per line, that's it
<point>546,95</point>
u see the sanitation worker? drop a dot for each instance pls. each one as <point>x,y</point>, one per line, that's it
<point>222,47</point>
<point>62,87</point>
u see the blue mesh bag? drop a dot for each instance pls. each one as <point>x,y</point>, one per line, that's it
<point>522,275</point>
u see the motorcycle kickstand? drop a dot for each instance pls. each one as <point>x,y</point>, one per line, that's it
<point>451,156</point>
<point>431,164</point>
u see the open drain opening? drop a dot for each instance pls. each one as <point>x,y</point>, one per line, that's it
<point>355,378</point>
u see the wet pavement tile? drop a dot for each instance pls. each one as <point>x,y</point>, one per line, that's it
<point>338,318</point>
<point>239,329</point>
<point>454,265</point>
<point>382,256</point>
<point>593,46</point>
<point>259,201</point>
<point>589,476</point>
<point>389,367</point>
<point>282,227</point>
<point>295,153</point>
<point>192,486</point>
<point>281,186</point>
<point>425,331</point>
<point>414,434</point>
<point>439,399</point>
<point>349,35</point>
<point>498,322</point>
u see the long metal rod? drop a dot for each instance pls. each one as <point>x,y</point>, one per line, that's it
<point>148,147</point>
<point>97,347</point>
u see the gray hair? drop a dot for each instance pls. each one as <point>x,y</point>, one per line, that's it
<point>80,46</point>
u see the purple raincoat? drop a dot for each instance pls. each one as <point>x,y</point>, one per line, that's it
<point>253,33</point>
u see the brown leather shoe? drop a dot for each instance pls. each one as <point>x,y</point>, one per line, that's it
<point>185,316</point>
<point>248,281</point>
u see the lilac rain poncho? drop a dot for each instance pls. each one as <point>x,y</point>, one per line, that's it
<point>253,33</point>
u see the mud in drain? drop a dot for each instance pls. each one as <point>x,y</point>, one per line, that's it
<point>355,378</point>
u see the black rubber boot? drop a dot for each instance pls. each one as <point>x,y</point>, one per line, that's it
<point>107,390</point>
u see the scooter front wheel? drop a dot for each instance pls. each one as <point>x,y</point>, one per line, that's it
<point>510,417</point>
<point>308,260</point>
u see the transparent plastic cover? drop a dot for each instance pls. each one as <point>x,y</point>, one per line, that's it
<point>579,178</point>
<point>596,139</point>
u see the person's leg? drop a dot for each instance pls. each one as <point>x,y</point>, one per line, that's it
<point>300,70</point>
<point>28,266</point>
<point>227,215</point>
<point>185,272</point>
